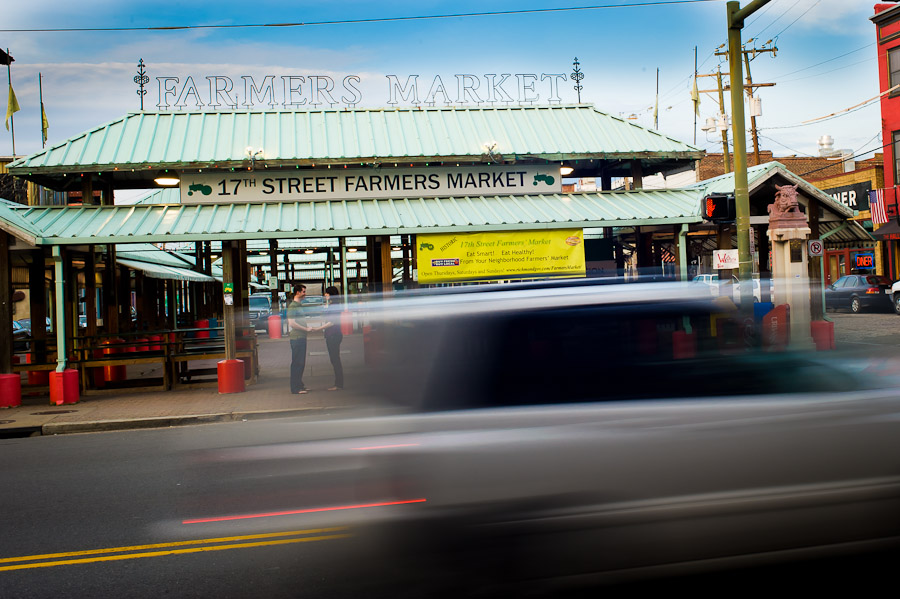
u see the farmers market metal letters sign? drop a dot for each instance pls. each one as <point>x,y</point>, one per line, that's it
<point>371,183</point>
<point>299,91</point>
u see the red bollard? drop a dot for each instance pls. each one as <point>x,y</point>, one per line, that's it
<point>10,390</point>
<point>37,377</point>
<point>274,324</point>
<point>64,387</point>
<point>231,376</point>
<point>822,333</point>
<point>684,345</point>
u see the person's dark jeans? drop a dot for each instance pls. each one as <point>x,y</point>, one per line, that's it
<point>334,352</point>
<point>298,364</point>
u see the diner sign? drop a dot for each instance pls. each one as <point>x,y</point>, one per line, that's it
<point>368,183</point>
<point>446,257</point>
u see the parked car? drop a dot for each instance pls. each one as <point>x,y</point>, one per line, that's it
<point>895,296</point>
<point>26,322</point>
<point>860,292</point>
<point>260,310</point>
<point>20,336</point>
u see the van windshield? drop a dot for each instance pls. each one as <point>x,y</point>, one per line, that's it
<point>259,303</point>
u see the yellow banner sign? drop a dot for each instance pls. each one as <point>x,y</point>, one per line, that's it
<point>500,255</point>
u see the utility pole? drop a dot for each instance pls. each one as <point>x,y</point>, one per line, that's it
<point>735,16</point>
<point>748,55</point>
<point>726,157</point>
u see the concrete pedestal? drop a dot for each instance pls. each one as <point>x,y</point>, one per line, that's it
<point>790,271</point>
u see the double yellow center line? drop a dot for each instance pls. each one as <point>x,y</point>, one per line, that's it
<point>175,548</point>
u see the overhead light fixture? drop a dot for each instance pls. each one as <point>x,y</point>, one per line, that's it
<point>351,249</point>
<point>565,170</point>
<point>307,251</point>
<point>167,178</point>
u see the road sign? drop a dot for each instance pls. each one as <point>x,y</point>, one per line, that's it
<point>816,248</point>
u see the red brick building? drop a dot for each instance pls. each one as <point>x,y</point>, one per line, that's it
<point>887,33</point>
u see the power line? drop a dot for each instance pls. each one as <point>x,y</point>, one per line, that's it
<point>798,18</point>
<point>778,18</point>
<point>826,61</point>
<point>359,21</point>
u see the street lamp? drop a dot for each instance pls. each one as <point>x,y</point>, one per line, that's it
<point>736,16</point>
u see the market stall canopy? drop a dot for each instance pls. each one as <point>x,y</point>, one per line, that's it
<point>128,152</point>
<point>162,271</point>
<point>53,225</point>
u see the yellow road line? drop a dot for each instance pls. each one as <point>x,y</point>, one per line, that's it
<point>109,558</point>
<point>28,558</point>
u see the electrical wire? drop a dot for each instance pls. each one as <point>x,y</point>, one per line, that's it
<point>825,61</point>
<point>359,21</point>
<point>798,18</point>
<point>778,18</point>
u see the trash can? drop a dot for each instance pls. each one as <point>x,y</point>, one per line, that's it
<point>113,373</point>
<point>202,324</point>
<point>274,325</point>
<point>346,322</point>
<point>231,376</point>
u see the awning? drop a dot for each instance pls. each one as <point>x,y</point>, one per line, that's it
<point>889,230</point>
<point>161,271</point>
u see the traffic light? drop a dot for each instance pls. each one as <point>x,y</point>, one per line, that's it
<point>718,207</point>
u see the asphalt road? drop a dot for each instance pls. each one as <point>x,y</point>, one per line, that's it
<point>103,514</point>
<point>145,513</point>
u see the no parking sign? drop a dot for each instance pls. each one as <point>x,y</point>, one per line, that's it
<point>816,248</point>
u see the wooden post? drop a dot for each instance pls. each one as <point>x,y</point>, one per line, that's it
<point>273,266</point>
<point>228,281</point>
<point>387,269</point>
<point>90,292</point>
<point>123,294</point>
<point>37,292</point>
<point>87,190</point>
<point>110,292</point>
<point>637,174</point>
<point>342,252</point>
<point>6,305</point>
<point>605,180</point>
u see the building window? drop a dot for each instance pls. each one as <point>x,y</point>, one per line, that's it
<point>895,148</point>
<point>894,68</point>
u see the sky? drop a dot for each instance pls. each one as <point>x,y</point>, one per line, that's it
<point>825,63</point>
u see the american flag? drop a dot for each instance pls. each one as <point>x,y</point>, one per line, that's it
<point>876,205</point>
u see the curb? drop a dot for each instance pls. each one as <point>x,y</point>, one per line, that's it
<point>64,428</point>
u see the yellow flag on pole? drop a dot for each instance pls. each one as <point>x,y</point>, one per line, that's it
<point>44,125</point>
<point>12,106</point>
<point>695,97</point>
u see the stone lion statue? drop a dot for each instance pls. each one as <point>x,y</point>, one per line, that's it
<point>785,210</point>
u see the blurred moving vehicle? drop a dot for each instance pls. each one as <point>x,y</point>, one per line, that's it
<point>260,310</point>
<point>732,288</point>
<point>860,292</point>
<point>552,435</point>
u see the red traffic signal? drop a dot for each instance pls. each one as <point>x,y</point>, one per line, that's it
<point>718,207</point>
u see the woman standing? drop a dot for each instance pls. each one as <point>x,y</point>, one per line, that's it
<point>333,334</point>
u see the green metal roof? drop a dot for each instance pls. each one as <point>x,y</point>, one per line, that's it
<point>152,140</point>
<point>47,225</point>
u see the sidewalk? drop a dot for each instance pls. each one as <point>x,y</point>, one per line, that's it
<point>268,398</point>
